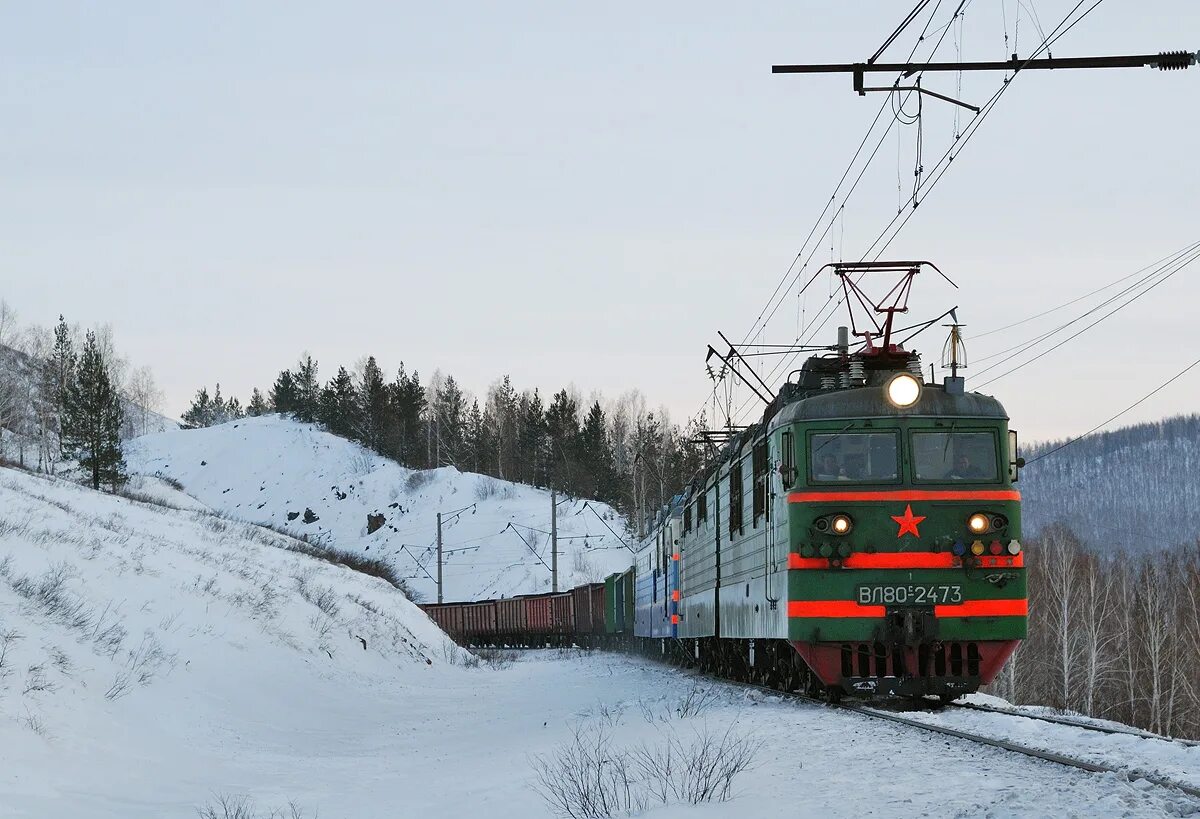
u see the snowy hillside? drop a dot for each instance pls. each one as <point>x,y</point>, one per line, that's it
<point>1116,489</point>
<point>282,473</point>
<point>140,645</point>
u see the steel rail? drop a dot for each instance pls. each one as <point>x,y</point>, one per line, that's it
<point>1104,729</point>
<point>1129,774</point>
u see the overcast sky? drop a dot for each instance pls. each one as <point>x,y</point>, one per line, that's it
<point>576,193</point>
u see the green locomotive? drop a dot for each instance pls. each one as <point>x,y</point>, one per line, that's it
<point>862,539</point>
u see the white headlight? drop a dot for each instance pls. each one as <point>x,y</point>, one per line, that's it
<point>903,390</point>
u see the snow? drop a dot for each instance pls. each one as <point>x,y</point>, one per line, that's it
<point>268,469</point>
<point>159,658</point>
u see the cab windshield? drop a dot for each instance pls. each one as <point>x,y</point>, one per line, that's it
<point>855,457</point>
<point>955,456</point>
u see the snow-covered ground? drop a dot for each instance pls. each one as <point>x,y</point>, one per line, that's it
<point>158,660</point>
<point>273,470</point>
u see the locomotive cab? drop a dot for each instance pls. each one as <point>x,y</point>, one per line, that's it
<point>905,569</point>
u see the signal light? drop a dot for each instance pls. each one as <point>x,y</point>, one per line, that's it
<point>995,548</point>
<point>979,523</point>
<point>977,548</point>
<point>826,550</point>
<point>959,548</point>
<point>903,390</point>
<point>841,524</point>
<point>1014,547</point>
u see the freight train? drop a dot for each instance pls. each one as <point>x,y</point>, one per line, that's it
<point>862,539</point>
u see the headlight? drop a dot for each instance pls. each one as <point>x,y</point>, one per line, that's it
<point>979,523</point>
<point>903,390</point>
<point>840,524</point>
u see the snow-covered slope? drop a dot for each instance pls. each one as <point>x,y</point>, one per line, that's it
<point>140,644</point>
<point>283,473</point>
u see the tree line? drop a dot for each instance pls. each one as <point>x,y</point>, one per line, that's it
<point>617,451</point>
<point>1112,634</point>
<point>64,397</point>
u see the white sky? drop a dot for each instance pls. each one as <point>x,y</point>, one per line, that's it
<point>572,193</point>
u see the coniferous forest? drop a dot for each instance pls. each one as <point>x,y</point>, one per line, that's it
<point>617,451</point>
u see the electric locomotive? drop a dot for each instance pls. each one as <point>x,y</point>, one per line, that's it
<point>863,538</point>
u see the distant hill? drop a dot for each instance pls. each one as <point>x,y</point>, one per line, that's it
<point>283,473</point>
<point>1135,488</point>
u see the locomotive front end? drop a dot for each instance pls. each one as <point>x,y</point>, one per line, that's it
<point>906,574</point>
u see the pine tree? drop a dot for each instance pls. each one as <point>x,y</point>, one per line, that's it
<point>308,390</point>
<point>598,479</point>
<point>283,394</point>
<point>339,405</point>
<point>405,429</point>
<point>92,417</point>
<point>562,435</point>
<point>450,409</point>
<point>233,410</point>
<point>200,413</point>
<point>373,406</point>
<point>258,405</point>
<point>476,441</point>
<point>531,440</point>
<point>220,413</point>
<point>57,375</point>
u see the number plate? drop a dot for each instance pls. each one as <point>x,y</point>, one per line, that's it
<point>909,594</point>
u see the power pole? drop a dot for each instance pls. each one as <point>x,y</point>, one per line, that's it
<point>553,540</point>
<point>439,547</point>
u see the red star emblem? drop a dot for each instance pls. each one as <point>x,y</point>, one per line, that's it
<point>908,522</point>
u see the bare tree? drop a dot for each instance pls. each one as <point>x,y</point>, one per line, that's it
<point>145,397</point>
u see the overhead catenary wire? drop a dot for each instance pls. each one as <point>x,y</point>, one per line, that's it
<point>788,279</point>
<point>1163,270</point>
<point>879,246</point>
<point>1117,309</point>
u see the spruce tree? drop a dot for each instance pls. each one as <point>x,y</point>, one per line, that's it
<point>598,479</point>
<point>407,430</point>
<point>338,406</point>
<point>562,433</point>
<point>220,413</point>
<point>308,390</point>
<point>200,413</point>
<point>258,405</point>
<point>92,417</point>
<point>283,394</point>
<point>57,375</point>
<point>373,406</point>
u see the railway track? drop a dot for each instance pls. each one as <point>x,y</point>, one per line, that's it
<point>1087,726</point>
<point>1129,773</point>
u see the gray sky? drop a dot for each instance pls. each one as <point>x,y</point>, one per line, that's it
<point>574,193</point>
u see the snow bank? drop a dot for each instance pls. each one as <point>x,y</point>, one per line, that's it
<point>130,632</point>
<point>282,473</point>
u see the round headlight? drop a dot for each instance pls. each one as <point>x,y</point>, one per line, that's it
<point>979,523</point>
<point>840,524</point>
<point>903,390</point>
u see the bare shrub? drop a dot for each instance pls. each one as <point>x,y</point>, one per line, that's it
<point>696,701</point>
<point>242,807</point>
<point>36,680</point>
<point>7,639</point>
<point>107,635</point>
<point>702,770</point>
<point>141,667</point>
<point>169,481</point>
<point>351,560</point>
<point>486,488</point>
<point>149,500</point>
<point>49,595</point>
<point>495,658</point>
<point>588,779</point>
<point>34,723</point>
